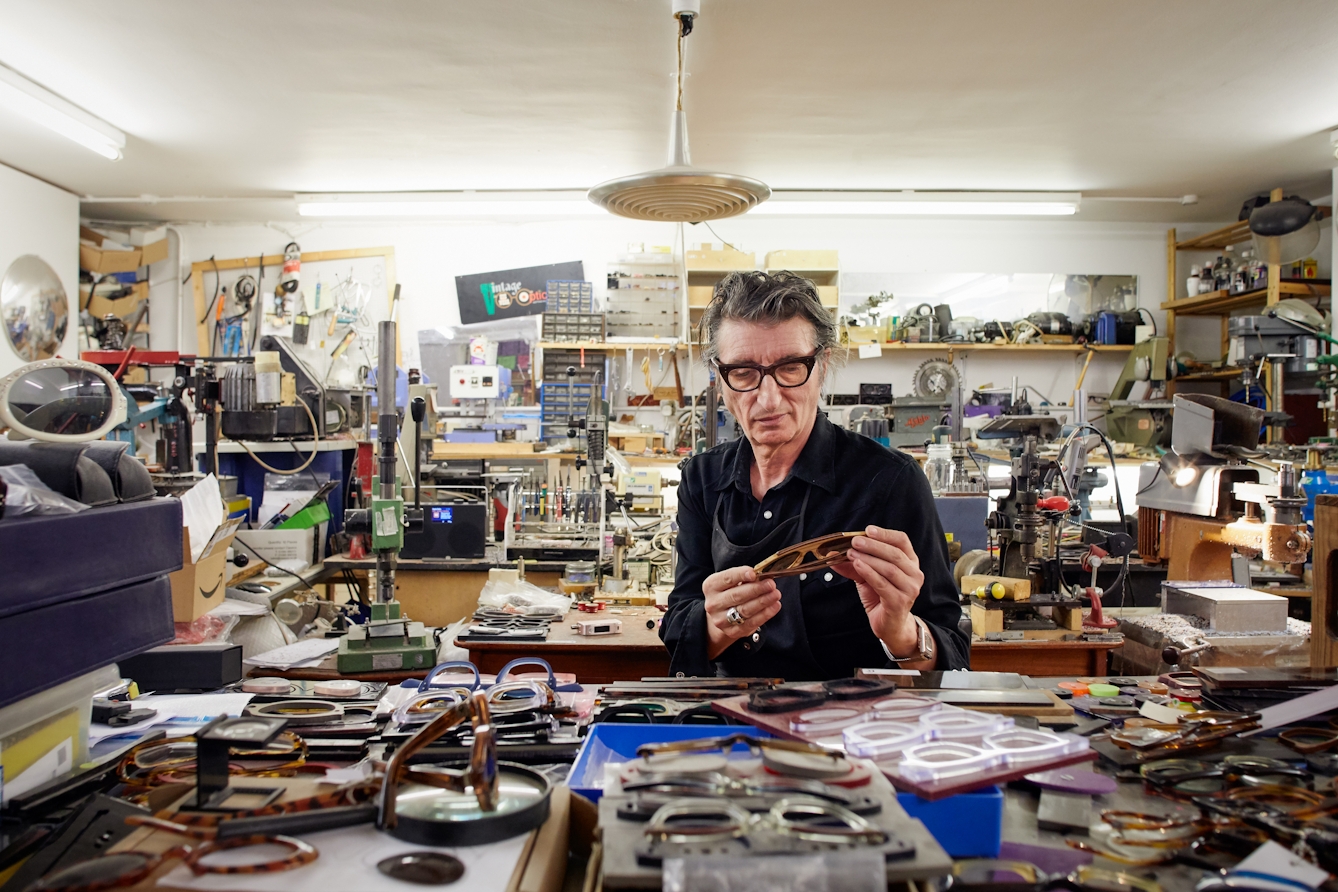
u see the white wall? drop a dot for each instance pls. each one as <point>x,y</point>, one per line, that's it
<point>430,255</point>
<point>43,220</point>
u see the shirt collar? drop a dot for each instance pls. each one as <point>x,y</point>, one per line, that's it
<point>816,463</point>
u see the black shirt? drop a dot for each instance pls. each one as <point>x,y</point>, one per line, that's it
<point>822,631</point>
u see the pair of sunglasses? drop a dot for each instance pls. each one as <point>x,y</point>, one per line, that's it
<point>807,557</point>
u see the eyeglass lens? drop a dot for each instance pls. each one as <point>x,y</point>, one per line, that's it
<point>788,374</point>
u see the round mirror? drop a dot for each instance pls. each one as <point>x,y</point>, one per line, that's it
<point>61,400</point>
<point>34,307</point>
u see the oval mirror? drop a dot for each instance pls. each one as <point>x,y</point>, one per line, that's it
<point>34,307</point>
<point>59,400</point>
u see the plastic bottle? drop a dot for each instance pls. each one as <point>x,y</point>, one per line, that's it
<point>938,468</point>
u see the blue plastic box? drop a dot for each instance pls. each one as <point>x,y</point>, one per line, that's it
<point>617,742</point>
<point>968,825</point>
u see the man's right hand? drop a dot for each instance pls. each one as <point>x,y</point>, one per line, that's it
<point>737,588</point>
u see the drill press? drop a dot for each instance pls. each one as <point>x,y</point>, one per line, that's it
<point>388,640</point>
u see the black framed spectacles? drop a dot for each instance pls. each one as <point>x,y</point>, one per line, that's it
<point>792,372</point>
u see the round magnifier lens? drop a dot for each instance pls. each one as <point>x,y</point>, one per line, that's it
<point>61,401</point>
<point>423,868</point>
<point>989,871</point>
<point>1200,786</point>
<point>433,816</point>
<point>105,870</point>
<point>153,756</point>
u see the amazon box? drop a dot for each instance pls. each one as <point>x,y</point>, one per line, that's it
<point>200,585</point>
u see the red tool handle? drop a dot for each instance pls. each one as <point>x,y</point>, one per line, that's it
<point>1053,503</point>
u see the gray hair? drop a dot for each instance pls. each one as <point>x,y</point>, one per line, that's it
<point>770,299</point>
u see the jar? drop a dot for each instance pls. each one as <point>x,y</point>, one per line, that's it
<point>938,467</point>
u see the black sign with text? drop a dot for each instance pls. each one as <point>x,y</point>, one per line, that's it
<point>509,293</point>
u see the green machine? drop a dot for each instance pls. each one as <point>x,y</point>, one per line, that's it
<point>1141,422</point>
<point>389,640</point>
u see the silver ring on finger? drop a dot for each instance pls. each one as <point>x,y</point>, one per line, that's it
<point>733,616</point>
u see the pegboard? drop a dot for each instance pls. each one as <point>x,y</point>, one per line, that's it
<point>344,295</point>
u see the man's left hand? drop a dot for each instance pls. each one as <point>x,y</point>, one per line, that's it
<point>887,576</point>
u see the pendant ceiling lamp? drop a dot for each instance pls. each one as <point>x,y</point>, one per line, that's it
<point>680,193</point>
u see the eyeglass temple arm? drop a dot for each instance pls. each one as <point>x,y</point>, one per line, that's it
<point>476,705</point>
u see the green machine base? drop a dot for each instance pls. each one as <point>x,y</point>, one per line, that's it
<point>386,643</point>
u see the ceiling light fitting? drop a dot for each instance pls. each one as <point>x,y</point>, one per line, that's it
<point>39,104</point>
<point>679,192</point>
<point>921,204</point>
<point>446,204</point>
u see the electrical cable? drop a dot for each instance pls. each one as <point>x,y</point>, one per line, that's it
<point>315,448</point>
<point>717,235</point>
<point>1144,311</point>
<point>217,287</point>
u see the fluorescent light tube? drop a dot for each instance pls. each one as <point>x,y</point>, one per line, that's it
<point>454,204</point>
<point>920,204</point>
<point>39,104</point>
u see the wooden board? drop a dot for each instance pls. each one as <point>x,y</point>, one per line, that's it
<point>984,621</point>
<point>1014,589</point>
<point>451,450</point>
<point>1324,601</point>
<point>779,725</point>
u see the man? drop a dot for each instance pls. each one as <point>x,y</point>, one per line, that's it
<point>791,477</point>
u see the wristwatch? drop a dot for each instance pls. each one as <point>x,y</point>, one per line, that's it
<point>926,642</point>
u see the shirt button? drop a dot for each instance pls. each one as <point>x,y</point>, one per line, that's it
<point>827,577</point>
<point>767,515</point>
<point>803,576</point>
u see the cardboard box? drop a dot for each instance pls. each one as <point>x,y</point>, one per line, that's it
<point>200,586</point>
<point>97,258</point>
<point>283,545</point>
<point>99,305</point>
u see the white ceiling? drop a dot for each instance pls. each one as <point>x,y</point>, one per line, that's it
<point>1222,98</point>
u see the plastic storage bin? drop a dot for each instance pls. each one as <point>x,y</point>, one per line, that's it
<point>968,825</point>
<point>45,736</point>
<point>616,742</point>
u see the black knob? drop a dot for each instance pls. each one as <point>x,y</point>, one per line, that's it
<point>418,408</point>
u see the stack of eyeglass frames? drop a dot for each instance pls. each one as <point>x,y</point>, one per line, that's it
<point>1212,814</point>
<point>740,796</point>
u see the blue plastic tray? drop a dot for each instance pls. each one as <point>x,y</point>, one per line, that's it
<point>968,825</point>
<point>615,742</point>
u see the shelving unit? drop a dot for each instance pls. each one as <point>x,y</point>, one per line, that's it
<point>643,298</point>
<point>950,347</point>
<point>821,267</point>
<point>1222,303</point>
<point>705,269</point>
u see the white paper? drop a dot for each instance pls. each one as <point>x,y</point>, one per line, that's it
<point>202,513</point>
<point>1168,715</point>
<point>897,672</point>
<point>347,863</point>
<point>1275,861</point>
<point>178,714</point>
<point>238,607</point>
<point>58,762</point>
<point>1295,710</point>
<point>290,655</point>
<point>870,351</point>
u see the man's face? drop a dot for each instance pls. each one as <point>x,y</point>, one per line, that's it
<point>771,415</point>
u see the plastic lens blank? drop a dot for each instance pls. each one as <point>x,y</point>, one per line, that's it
<point>827,718</point>
<point>945,758</point>
<point>905,708</point>
<point>1021,746</point>
<point>873,740</point>
<point>959,724</point>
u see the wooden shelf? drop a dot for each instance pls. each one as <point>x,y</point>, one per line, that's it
<point>1216,303</point>
<point>613,347</point>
